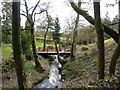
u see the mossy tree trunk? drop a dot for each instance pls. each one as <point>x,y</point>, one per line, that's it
<point>100,40</point>
<point>74,42</point>
<point>17,48</point>
<point>37,61</point>
<point>84,13</point>
<point>114,59</point>
<point>117,51</point>
<point>31,21</point>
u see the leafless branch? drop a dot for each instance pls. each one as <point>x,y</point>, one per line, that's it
<point>113,24</point>
<point>26,17</point>
<point>23,11</point>
<point>37,20</point>
<point>23,15</point>
<point>38,13</point>
<point>30,8</point>
<point>26,7</point>
<point>35,7</point>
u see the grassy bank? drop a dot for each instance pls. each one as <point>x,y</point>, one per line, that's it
<point>82,72</point>
<point>9,79</point>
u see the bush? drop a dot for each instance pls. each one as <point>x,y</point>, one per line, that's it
<point>85,48</point>
<point>7,65</point>
<point>26,44</point>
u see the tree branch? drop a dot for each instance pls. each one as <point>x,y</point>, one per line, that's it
<point>30,8</point>
<point>38,13</point>
<point>35,7</point>
<point>108,30</point>
<point>26,7</point>
<point>113,24</point>
<point>26,17</point>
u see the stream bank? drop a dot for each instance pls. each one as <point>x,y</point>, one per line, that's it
<point>54,80</point>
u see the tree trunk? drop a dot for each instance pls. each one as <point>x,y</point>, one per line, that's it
<point>37,61</point>
<point>114,59</point>
<point>58,54</point>
<point>59,46</point>
<point>17,49</point>
<point>44,44</point>
<point>117,51</point>
<point>100,38</point>
<point>107,30</point>
<point>74,42</point>
<point>119,33</point>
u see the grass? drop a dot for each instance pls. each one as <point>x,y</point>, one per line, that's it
<point>30,70</point>
<point>7,50</point>
<point>82,72</point>
<point>32,76</point>
<point>38,44</point>
<point>94,45</point>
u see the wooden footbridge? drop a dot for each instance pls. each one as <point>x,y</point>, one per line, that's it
<point>51,51</point>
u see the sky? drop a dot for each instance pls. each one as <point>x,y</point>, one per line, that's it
<point>63,10</point>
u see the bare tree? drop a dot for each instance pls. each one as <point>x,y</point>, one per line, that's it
<point>100,40</point>
<point>49,24</point>
<point>16,41</point>
<point>31,21</point>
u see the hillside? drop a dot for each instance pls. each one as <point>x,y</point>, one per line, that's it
<point>83,71</point>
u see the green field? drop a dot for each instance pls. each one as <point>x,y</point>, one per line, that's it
<point>38,44</point>
<point>7,50</point>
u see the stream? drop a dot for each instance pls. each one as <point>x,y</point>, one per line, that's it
<point>54,76</point>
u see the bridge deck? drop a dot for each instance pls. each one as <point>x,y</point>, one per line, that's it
<point>53,53</point>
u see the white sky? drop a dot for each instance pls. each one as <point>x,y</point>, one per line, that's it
<point>63,11</point>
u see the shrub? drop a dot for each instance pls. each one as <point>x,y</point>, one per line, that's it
<point>85,48</point>
<point>7,65</point>
<point>26,44</point>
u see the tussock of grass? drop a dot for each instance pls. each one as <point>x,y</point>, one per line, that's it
<point>7,50</point>
<point>32,75</point>
<point>29,69</point>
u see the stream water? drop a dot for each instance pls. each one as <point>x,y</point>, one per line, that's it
<point>54,76</point>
